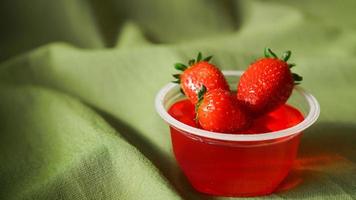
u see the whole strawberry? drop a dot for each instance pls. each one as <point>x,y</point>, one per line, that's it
<point>267,83</point>
<point>218,110</point>
<point>199,72</point>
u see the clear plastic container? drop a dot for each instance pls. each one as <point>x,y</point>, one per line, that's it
<point>235,164</point>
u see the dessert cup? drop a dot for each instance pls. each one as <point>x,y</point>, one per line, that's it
<point>235,164</point>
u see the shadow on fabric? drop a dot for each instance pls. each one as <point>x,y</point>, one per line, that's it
<point>164,163</point>
<point>326,154</point>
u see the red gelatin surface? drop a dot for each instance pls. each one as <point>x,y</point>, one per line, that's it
<point>236,168</point>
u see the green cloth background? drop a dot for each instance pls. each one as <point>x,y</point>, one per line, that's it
<point>78,80</point>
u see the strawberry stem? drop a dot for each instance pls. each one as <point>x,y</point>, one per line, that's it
<point>180,66</point>
<point>199,57</point>
<point>296,78</point>
<point>200,95</point>
<point>191,62</point>
<point>207,59</point>
<point>269,53</point>
<point>181,91</point>
<point>291,65</point>
<point>201,92</point>
<point>286,55</point>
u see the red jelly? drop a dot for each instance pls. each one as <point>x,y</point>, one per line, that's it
<point>236,168</point>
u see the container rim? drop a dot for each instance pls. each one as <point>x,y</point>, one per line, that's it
<point>312,116</point>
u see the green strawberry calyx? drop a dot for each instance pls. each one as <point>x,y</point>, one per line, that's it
<point>200,95</point>
<point>285,57</point>
<point>182,67</point>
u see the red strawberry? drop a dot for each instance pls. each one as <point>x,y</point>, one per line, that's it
<point>218,110</point>
<point>200,72</point>
<point>267,83</point>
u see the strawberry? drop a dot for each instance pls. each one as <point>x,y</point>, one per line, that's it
<point>199,72</point>
<point>267,83</point>
<point>219,111</point>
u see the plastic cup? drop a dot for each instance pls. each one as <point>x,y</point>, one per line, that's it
<point>235,164</point>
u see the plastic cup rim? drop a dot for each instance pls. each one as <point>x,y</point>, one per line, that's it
<point>312,116</point>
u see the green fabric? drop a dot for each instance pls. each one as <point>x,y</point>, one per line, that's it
<point>78,81</point>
